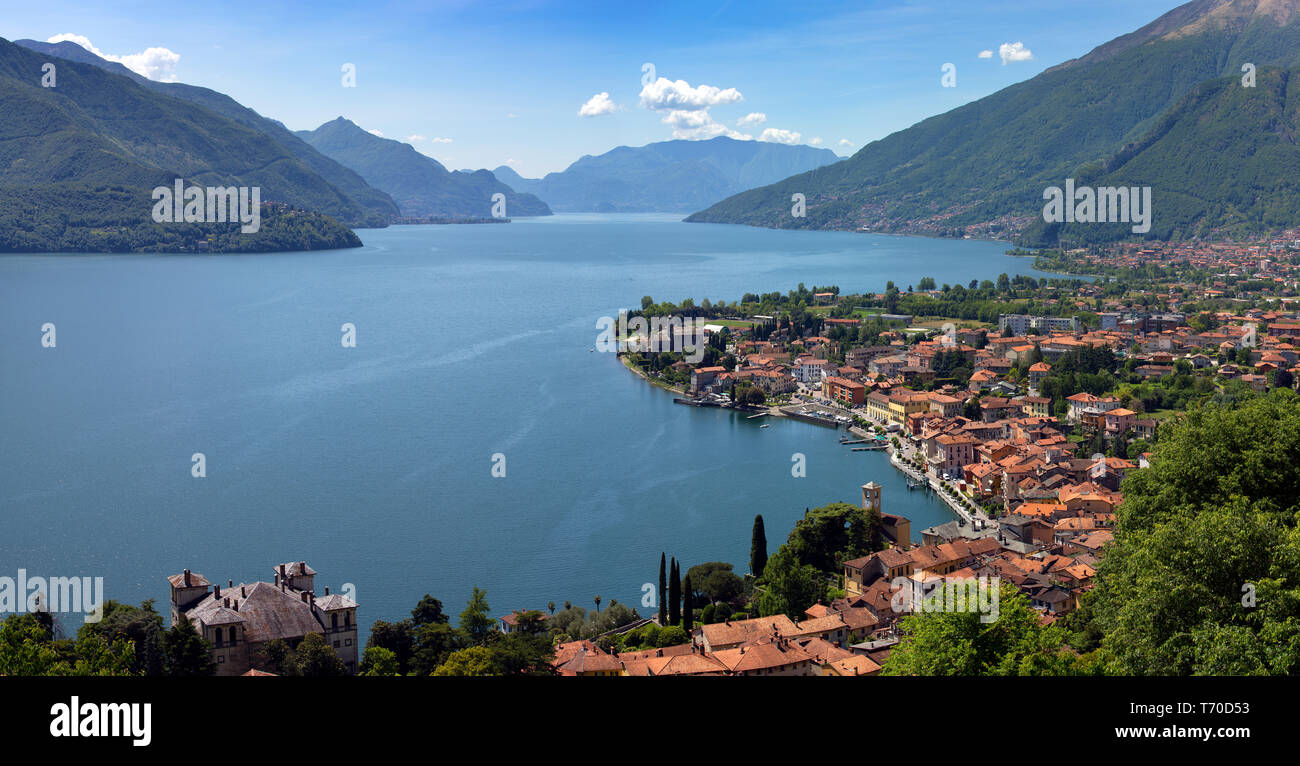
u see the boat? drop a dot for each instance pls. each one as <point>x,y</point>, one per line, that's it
<point>766,425</point>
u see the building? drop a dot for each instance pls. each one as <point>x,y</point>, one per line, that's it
<point>240,619</point>
<point>1021,324</point>
<point>849,392</point>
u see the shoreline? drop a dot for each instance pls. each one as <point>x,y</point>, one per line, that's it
<point>775,411</point>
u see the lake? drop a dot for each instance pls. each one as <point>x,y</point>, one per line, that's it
<point>374,463</point>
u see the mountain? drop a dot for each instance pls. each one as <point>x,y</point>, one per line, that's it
<point>369,206</point>
<point>421,185</point>
<point>981,169</point>
<point>669,176</point>
<point>78,162</point>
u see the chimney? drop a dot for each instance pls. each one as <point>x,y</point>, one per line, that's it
<point>234,605</point>
<point>243,592</point>
<point>225,602</point>
<point>327,590</point>
<point>230,583</point>
<point>282,573</point>
<point>303,595</point>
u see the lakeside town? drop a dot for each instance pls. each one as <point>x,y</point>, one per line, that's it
<point>1026,405</point>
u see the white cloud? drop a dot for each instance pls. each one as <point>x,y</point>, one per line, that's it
<point>664,94</point>
<point>416,137</point>
<point>986,54</point>
<point>440,140</point>
<point>753,118</point>
<point>375,133</point>
<point>689,124</point>
<point>846,142</point>
<point>1014,52</point>
<point>435,140</point>
<point>780,136</point>
<point>597,105</point>
<point>154,63</point>
<point>815,141</point>
<point>688,107</point>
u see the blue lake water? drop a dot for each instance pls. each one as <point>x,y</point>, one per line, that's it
<point>374,463</point>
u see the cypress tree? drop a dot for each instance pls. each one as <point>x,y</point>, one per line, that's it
<point>688,616</point>
<point>758,548</point>
<point>662,595</point>
<point>674,594</point>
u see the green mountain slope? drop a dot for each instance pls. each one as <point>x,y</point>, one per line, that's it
<point>1223,162</point>
<point>668,176</point>
<point>370,207</point>
<point>97,132</point>
<point>981,169</point>
<point>420,185</point>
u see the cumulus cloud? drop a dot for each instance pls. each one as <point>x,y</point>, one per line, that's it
<point>597,105</point>
<point>375,133</point>
<point>686,108</point>
<point>154,63</point>
<point>815,141</point>
<point>780,136</point>
<point>664,94</point>
<point>986,54</point>
<point>1014,52</point>
<point>753,118</point>
<point>696,124</point>
<point>416,137</point>
<point>846,142</point>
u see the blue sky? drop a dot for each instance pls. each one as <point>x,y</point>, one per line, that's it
<point>479,84</point>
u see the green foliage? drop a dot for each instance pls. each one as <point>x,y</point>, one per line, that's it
<point>1211,524</point>
<point>791,587</point>
<point>958,644</point>
<point>378,661</point>
<point>186,653</point>
<point>476,620</point>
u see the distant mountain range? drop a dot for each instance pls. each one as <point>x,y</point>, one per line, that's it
<point>78,162</point>
<point>368,206</point>
<point>421,185</point>
<point>669,176</point>
<point>1164,107</point>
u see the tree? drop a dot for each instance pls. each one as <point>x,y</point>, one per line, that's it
<point>713,581</point>
<point>142,626</point>
<point>433,643</point>
<point>959,643</point>
<point>688,610</point>
<point>396,637</point>
<point>316,658</point>
<point>1204,575</point>
<point>674,594</point>
<point>475,620</point>
<point>474,661</point>
<point>758,547</point>
<point>186,653</point>
<point>791,588</point>
<point>429,610</point>
<point>378,661</point>
<point>662,594</point>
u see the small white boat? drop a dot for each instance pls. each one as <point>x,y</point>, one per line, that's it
<point>766,425</point>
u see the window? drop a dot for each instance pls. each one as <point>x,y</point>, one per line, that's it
<point>219,641</point>
<point>334,621</point>
<point>347,642</point>
<point>221,658</point>
<point>347,619</point>
<point>336,644</point>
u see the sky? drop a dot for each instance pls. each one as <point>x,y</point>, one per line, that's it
<point>537,85</point>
